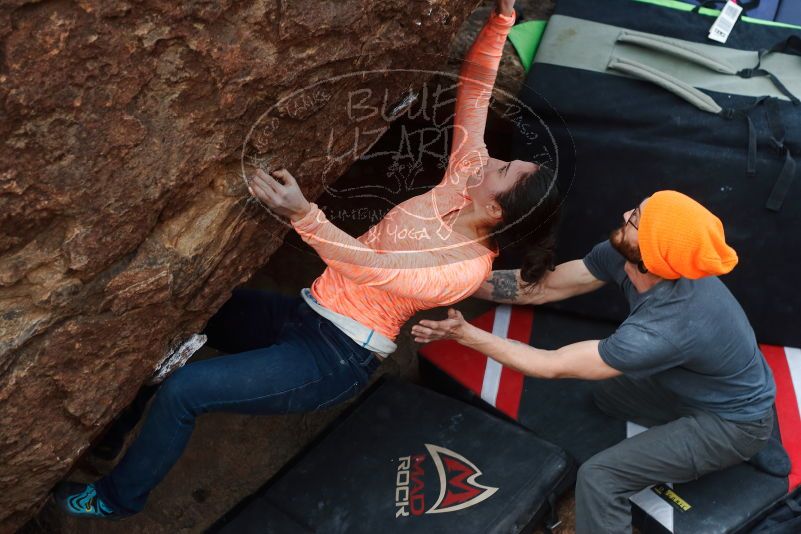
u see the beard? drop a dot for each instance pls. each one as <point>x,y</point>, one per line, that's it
<point>627,250</point>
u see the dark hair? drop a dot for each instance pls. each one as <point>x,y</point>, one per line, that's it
<point>530,218</point>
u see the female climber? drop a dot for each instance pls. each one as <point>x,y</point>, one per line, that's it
<point>306,353</point>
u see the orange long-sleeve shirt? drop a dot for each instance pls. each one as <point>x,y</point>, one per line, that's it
<point>412,259</point>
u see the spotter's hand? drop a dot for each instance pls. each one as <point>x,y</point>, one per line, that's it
<point>280,192</point>
<point>454,327</point>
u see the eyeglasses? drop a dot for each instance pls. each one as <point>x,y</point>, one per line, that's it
<point>634,218</point>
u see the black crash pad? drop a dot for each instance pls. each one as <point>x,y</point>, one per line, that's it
<point>407,459</point>
<point>616,139</point>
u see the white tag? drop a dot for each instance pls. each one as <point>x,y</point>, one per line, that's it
<point>177,358</point>
<point>723,25</point>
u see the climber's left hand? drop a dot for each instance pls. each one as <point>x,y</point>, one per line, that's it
<point>280,192</point>
<point>505,7</point>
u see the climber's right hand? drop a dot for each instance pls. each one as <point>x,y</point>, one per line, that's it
<point>280,192</point>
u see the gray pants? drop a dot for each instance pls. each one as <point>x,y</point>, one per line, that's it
<point>681,445</point>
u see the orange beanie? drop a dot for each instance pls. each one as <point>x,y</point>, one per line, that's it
<point>679,237</point>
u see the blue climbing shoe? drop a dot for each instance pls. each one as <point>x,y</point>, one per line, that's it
<point>81,500</point>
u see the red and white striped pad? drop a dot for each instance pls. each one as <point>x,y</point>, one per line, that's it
<point>786,365</point>
<point>497,385</point>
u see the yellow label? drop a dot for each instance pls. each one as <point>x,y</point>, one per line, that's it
<point>672,497</point>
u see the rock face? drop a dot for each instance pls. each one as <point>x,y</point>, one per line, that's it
<point>125,129</point>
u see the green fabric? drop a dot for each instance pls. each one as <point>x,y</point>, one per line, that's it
<point>684,6</point>
<point>526,38</point>
<point>584,44</point>
<point>671,47</point>
<point>702,101</point>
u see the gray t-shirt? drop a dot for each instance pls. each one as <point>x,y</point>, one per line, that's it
<point>692,337</point>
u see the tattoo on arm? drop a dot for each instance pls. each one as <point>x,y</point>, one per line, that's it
<point>504,286</point>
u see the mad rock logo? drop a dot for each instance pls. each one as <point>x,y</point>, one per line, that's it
<point>456,479</point>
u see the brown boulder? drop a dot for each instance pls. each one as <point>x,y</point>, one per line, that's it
<point>124,222</point>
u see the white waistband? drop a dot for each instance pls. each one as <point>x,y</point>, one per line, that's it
<point>363,335</point>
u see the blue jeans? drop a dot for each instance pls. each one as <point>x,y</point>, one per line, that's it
<point>288,359</point>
